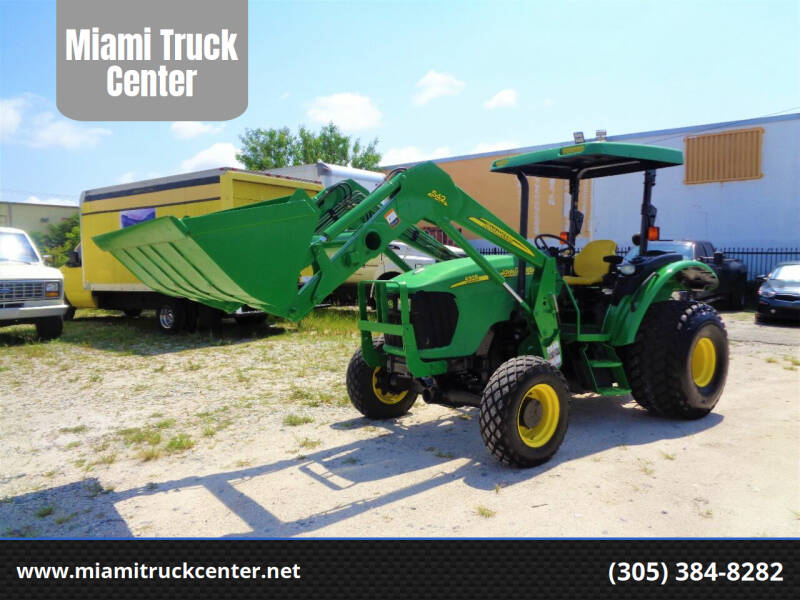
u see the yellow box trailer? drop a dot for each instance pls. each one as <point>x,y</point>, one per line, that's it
<point>95,279</point>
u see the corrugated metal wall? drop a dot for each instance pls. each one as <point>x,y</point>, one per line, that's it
<point>728,156</point>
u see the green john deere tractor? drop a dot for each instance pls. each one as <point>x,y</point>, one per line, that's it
<point>512,334</point>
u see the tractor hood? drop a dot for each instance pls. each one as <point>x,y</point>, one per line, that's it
<point>451,275</point>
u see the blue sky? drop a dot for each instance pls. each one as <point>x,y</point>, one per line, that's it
<point>429,79</point>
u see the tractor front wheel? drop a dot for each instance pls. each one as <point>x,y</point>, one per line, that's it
<point>370,391</point>
<point>678,364</point>
<point>524,411</point>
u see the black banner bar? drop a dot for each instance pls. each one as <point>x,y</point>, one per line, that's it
<point>351,569</point>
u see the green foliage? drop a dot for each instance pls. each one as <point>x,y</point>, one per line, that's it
<point>273,148</point>
<point>59,239</point>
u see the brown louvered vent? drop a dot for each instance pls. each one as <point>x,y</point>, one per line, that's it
<point>727,156</point>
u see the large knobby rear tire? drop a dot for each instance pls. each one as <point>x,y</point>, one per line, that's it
<point>524,411</point>
<point>678,363</point>
<point>370,394</point>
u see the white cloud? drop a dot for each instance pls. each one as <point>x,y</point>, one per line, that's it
<point>502,99</point>
<point>435,85</point>
<point>29,119</point>
<point>189,129</point>
<point>128,177</point>
<point>495,146</point>
<point>59,201</point>
<point>409,154</point>
<point>349,111</point>
<point>10,115</point>
<point>215,156</point>
<point>49,131</point>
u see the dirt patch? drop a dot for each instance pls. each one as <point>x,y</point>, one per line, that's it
<point>118,430</point>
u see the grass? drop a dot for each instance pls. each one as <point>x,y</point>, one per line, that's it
<point>793,361</point>
<point>667,455</point>
<point>486,513</point>
<point>180,443</point>
<point>65,518</point>
<point>293,420</point>
<point>330,322</point>
<point>193,366</point>
<point>308,443</point>
<point>165,424</point>
<point>771,360</point>
<point>149,453</point>
<point>134,436</point>
<point>76,429</point>
<point>45,511</point>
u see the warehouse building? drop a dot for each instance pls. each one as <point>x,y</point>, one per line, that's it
<point>34,217</point>
<point>738,187</point>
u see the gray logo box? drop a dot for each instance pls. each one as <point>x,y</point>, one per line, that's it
<point>156,89</point>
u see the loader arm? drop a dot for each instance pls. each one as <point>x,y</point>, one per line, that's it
<point>426,193</point>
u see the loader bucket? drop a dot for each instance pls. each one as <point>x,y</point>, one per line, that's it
<point>248,255</point>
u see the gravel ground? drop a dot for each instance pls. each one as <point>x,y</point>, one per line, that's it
<point>116,430</point>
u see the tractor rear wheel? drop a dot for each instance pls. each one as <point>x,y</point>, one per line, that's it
<point>678,363</point>
<point>524,411</point>
<point>371,394</point>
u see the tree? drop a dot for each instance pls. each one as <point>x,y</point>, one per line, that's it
<point>272,148</point>
<point>59,239</point>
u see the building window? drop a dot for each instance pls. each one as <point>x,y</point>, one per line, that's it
<point>727,156</point>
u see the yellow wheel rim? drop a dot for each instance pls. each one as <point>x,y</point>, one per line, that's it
<point>386,397</point>
<point>704,362</point>
<point>537,415</point>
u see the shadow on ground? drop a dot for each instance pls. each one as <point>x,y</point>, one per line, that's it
<point>140,336</point>
<point>596,424</point>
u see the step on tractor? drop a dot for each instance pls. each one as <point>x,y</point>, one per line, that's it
<point>514,335</point>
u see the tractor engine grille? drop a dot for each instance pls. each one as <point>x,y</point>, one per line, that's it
<point>434,316</point>
<point>21,290</point>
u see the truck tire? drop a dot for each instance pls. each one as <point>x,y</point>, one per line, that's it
<point>367,394</point>
<point>49,328</point>
<point>70,314</point>
<point>524,411</point>
<point>678,363</point>
<point>171,316</point>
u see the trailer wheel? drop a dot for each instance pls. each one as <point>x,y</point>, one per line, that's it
<point>171,316</point>
<point>49,328</point>
<point>370,394</point>
<point>524,411</point>
<point>678,363</point>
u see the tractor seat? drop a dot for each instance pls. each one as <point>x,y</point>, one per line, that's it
<point>589,266</point>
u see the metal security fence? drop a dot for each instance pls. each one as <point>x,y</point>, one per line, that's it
<point>759,261</point>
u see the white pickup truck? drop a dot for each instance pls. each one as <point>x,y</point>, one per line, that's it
<point>30,292</point>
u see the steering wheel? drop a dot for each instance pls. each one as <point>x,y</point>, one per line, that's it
<point>541,244</point>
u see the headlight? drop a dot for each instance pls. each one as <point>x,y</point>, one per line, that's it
<point>52,289</point>
<point>767,293</point>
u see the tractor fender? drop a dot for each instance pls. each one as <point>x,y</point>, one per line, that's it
<point>623,320</point>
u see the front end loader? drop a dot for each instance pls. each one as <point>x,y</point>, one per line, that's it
<point>514,335</point>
